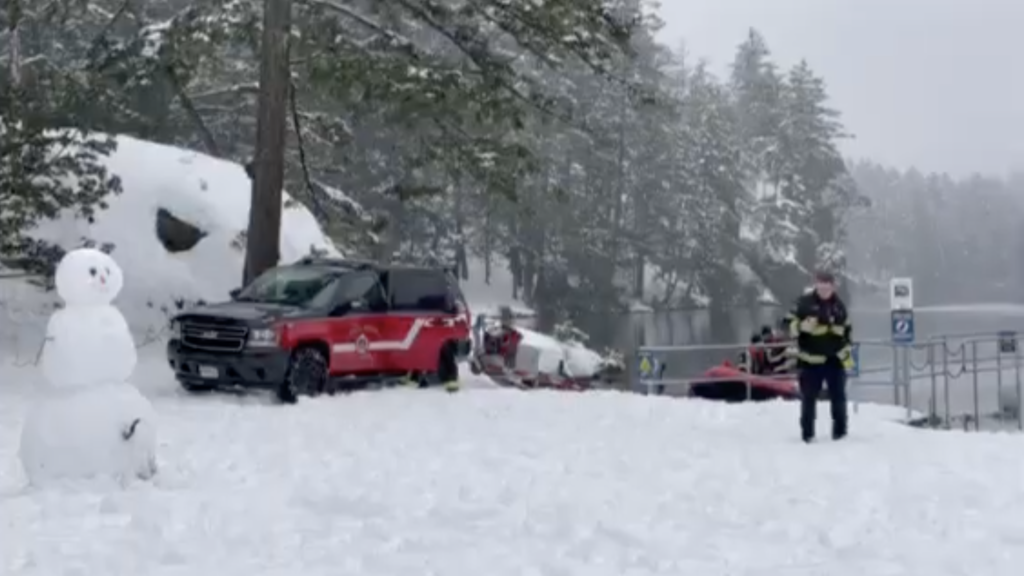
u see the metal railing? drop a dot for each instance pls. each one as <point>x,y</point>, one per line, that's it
<point>969,381</point>
<point>678,368</point>
<point>966,380</point>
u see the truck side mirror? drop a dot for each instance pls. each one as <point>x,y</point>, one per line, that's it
<point>234,293</point>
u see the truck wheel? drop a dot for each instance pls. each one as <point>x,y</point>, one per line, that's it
<point>307,375</point>
<point>447,365</point>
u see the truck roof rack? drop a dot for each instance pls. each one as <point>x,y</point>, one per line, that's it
<point>338,263</point>
<point>452,270</point>
<point>355,264</point>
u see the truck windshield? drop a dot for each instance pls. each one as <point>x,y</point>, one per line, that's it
<point>289,285</point>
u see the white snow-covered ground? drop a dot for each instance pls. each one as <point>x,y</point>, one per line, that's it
<point>497,482</point>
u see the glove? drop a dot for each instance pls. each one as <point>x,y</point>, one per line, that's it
<point>808,324</point>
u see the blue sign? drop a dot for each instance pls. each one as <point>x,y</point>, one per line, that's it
<point>903,326</point>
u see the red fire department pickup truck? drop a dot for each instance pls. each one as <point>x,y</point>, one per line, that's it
<point>324,325</point>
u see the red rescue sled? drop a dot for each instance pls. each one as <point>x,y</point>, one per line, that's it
<point>727,383</point>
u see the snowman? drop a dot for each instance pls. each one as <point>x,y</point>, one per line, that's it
<point>90,422</point>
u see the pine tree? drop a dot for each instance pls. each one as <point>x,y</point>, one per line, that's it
<point>815,187</point>
<point>47,166</point>
<point>768,234</point>
<point>715,161</point>
<point>756,88</point>
<point>561,139</point>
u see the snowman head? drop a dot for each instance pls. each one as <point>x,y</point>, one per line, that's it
<point>88,277</point>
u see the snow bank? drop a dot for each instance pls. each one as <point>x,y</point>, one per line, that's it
<point>502,483</point>
<point>207,193</point>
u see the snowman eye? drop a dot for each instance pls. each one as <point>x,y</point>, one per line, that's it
<point>92,271</point>
<point>108,271</point>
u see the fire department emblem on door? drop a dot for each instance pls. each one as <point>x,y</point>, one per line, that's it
<point>362,344</point>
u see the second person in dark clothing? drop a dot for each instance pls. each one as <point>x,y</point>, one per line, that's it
<point>821,327</point>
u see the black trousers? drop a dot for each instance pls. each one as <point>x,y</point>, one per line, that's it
<point>832,376</point>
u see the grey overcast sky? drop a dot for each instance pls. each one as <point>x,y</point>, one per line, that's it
<point>938,84</point>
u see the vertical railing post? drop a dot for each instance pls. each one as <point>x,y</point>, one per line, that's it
<point>907,380</point>
<point>895,374</point>
<point>948,421</point>
<point>974,370</point>
<point>999,377</point>
<point>933,405</point>
<point>1020,396</point>
<point>749,360</point>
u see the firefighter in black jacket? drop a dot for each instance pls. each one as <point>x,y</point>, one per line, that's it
<point>821,327</point>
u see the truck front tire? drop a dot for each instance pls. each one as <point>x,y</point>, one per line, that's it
<point>306,376</point>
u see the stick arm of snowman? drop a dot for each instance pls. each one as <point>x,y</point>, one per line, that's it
<point>129,430</point>
<point>48,338</point>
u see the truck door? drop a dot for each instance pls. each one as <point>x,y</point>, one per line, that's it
<point>356,325</point>
<point>420,319</point>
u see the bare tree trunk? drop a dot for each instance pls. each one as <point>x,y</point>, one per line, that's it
<point>488,241</point>
<point>189,107</point>
<point>618,208</point>
<point>14,42</point>
<point>640,209</point>
<point>461,254</point>
<point>515,253</point>
<point>263,241</point>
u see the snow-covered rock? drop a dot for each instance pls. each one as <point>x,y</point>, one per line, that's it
<point>178,231</point>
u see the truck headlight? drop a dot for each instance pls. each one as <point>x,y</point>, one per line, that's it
<point>262,338</point>
<point>175,330</point>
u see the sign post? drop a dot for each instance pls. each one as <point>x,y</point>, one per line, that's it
<point>901,305</point>
<point>649,371</point>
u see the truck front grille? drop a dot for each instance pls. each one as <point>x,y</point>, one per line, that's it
<point>214,337</point>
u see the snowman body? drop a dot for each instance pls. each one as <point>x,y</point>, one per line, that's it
<point>90,421</point>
